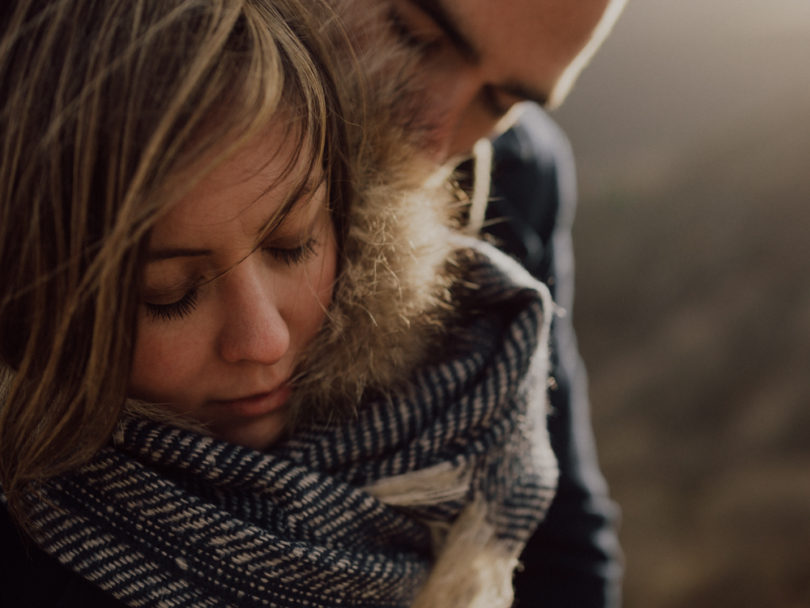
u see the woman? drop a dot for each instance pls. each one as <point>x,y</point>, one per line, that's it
<point>244,361</point>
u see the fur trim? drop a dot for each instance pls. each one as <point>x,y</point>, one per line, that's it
<point>392,295</point>
<point>388,303</point>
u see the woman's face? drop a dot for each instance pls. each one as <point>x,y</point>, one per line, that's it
<point>222,350</point>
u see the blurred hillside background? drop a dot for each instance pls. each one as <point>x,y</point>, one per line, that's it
<point>691,130</point>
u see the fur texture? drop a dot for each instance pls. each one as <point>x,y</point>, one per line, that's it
<point>392,294</point>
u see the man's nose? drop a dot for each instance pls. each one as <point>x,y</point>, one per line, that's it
<point>459,116</point>
<point>253,328</point>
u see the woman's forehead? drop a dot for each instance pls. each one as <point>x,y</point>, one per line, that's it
<point>261,179</point>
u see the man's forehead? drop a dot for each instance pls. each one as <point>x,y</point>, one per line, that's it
<point>476,20</point>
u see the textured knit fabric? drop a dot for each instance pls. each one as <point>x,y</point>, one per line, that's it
<point>168,517</point>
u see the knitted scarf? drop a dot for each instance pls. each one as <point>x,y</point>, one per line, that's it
<point>424,498</point>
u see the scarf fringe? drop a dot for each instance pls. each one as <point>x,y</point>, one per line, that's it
<point>440,483</point>
<point>473,568</point>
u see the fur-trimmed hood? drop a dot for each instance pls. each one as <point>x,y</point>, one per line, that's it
<point>392,295</point>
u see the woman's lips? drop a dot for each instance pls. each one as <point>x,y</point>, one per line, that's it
<point>256,405</point>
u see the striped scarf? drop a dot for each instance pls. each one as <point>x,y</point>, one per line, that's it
<point>425,498</point>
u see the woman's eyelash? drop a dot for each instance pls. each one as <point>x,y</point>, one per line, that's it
<point>294,255</point>
<point>186,305</point>
<point>174,310</point>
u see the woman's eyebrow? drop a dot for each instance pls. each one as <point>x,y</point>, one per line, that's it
<point>178,252</point>
<point>308,187</point>
<point>296,205</point>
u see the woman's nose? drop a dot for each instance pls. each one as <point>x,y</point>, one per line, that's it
<point>253,328</point>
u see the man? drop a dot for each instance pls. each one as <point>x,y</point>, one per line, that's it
<point>477,59</point>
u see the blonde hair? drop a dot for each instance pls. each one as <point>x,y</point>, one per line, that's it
<point>104,105</point>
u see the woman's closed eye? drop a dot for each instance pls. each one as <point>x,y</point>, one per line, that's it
<point>293,256</point>
<point>161,310</point>
<point>174,310</point>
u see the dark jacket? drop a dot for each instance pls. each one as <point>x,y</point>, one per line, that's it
<point>29,578</point>
<point>574,557</point>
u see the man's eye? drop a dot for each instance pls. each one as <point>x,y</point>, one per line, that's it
<point>174,310</point>
<point>422,44</point>
<point>295,255</point>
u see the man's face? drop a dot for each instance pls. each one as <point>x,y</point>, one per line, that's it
<point>479,57</point>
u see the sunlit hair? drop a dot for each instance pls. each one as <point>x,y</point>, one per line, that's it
<point>106,106</point>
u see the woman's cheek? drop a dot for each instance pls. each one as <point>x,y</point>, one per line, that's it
<point>167,361</point>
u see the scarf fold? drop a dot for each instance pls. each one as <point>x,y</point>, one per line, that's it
<point>432,487</point>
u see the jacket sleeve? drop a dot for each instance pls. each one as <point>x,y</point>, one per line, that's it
<point>573,559</point>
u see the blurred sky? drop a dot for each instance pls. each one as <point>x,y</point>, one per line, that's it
<point>691,130</point>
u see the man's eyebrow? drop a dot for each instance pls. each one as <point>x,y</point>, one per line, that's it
<point>436,10</point>
<point>176,252</point>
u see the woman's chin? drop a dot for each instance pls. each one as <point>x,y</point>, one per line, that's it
<point>257,434</point>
